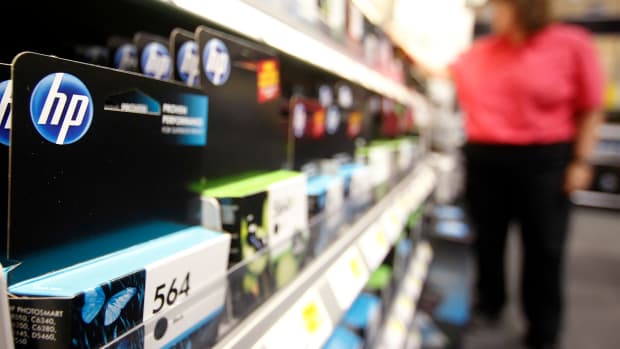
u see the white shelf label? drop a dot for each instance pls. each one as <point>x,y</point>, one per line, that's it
<point>425,252</point>
<point>412,286</point>
<point>306,322</point>
<point>403,210</point>
<point>347,277</point>
<point>374,245</point>
<point>391,226</point>
<point>394,334</point>
<point>404,309</point>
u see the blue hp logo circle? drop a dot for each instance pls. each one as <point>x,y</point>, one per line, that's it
<point>61,108</point>
<point>332,121</point>
<point>6,101</point>
<point>126,57</point>
<point>216,62</point>
<point>155,61</point>
<point>188,63</point>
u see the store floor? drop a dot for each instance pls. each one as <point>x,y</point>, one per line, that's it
<point>593,289</point>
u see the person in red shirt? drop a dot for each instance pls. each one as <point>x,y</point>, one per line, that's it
<point>531,95</point>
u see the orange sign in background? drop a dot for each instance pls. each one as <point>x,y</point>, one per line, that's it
<point>268,80</point>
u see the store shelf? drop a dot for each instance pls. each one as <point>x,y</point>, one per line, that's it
<point>312,47</point>
<point>610,132</point>
<point>308,308</point>
<point>598,25</point>
<point>395,331</point>
<point>596,199</point>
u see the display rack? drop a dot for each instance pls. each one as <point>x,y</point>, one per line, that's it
<point>395,331</point>
<point>309,308</point>
<point>596,199</point>
<point>303,43</point>
<point>599,25</point>
<point>610,132</point>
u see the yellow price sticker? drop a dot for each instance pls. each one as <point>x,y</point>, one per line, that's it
<point>312,318</point>
<point>394,217</point>
<point>355,268</point>
<point>381,239</point>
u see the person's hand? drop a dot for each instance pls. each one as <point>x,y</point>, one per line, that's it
<point>579,176</point>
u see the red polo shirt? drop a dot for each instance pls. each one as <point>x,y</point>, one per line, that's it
<point>530,93</point>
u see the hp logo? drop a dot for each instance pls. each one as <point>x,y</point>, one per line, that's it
<point>299,120</point>
<point>216,61</point>
<point>333,119</point>
<point>126,57</point>
<point>188,63</point>
<point>6,99</point>
<point>155,61</point>
<point>61,108</point>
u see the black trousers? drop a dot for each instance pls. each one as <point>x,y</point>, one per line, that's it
<point>523,184</point>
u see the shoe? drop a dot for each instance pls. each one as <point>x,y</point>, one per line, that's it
<point>532,342</point>
<point>483,317</point>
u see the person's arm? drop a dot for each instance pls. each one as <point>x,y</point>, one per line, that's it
<point>433,72</point>
<point>579,173</point>
<point>589,81</point>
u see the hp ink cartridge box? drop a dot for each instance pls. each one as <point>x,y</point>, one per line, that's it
<point>357,184</point>
<point>380,159</point>
<point>186,62</point>
<point>191,324</point>
<point>97,150</point>
<point>94,302</point>
<point>266,215</point>
<point>106,159</point>
<point>325,194</point>
<point>259,210</point>
<point>407,153</point>
<point>6,100</point>
<point>154,58</point>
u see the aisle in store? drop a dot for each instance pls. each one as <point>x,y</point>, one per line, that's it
<point>592,288</point>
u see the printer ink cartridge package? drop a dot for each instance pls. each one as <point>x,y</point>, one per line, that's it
<point>364,316</point>
<point>343,338</point>
<point>154,57</point>
<point>106,159</point>
<point>267,217</point>
<point>325,194</point>
<point>357,185</point>
<point>241,79</point>
<point>325,203</point>
<point>407,153</point>
<point>259,210</point>
<point>123,54</point>
<point>5,128</point>
<point>186,62</point>
<point>93,302</point>
<point>380,159</point>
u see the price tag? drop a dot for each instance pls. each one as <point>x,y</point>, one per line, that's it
<point>411,286</point>
<point>347,277</point>
<point>394,335</point>
<point>374,246</point>
<point>315,319</point>
<point>415,339</point>
<point>418,269</point>
<point>404,309</point>
<point>390,226</point>
<point>425,252</point>
<point>312,318</point>
<point>306,322</point>
<point>412,197</point>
